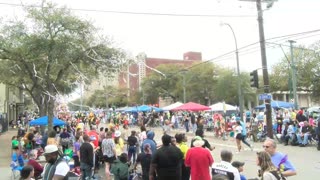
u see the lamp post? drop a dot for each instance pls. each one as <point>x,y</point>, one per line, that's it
<point>238,71</point>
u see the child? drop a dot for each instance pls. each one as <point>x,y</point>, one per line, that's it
<point>14,142</point>
<point>120,168</point>
<point>239,165</point>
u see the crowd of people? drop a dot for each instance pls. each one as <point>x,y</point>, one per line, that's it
<point>82,147</point>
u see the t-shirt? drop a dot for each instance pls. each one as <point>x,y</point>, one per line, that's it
<point>132,140</point>
<point>119,146</point>
<point>168,160</point>
<point>62,169</point>
<point>144,160</point>
<point>76,148</point>
<point>107,147</point>
<point>38,169</point>
<point>279,158</point>
<point>14,143</point>
<point>200,160</point>
<point>86,154</point>
<point>227,169</point>
<point>94,135</point>
<point>183,148</point>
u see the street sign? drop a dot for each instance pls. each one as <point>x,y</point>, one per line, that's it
<point>265,96</point>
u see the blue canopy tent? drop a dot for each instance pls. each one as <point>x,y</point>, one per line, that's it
<point>131,109</point>
<point>43,121</point>
<point>277,104</point>
<point>142,108</point>
<point>145,108</point>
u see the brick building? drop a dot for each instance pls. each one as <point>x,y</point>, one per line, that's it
<point>145,66</point>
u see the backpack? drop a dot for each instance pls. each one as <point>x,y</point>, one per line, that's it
<point>65,141</point>
<point>50,172</point>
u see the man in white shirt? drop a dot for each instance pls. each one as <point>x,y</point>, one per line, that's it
<point>56,167</point>
<point>225,167</point>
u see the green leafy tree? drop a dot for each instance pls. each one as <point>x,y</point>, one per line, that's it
<point>307,71</point>
<point>49,51</point>
<point>156,85</point>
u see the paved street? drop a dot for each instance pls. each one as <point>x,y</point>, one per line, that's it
<point>306,160</point>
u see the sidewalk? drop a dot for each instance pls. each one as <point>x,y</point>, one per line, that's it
<point>5,153</point>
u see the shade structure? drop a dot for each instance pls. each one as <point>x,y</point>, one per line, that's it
<point>143,108</point>
<point>222,107</point>
<point>172,106</point>
<point>277,104</point>
<point>43,121</point>
<point>191,106</point>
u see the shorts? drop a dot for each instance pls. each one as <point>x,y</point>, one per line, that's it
<point>109,159</point>
<point>239,136</point>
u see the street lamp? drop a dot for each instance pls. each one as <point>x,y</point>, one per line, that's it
<point>238,71</point>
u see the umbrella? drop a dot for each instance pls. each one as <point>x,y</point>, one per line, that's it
<point>222,107</point>
<point>172,106</point>
<point>191,106</point>
<point>277,104</point>
<point>43,121</point>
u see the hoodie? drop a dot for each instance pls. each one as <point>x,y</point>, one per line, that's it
<point>149,140</point>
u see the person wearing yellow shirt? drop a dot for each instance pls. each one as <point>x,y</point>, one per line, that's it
<point>118,141</point>
<point>181,140</point>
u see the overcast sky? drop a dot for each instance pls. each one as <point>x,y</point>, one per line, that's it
<point>171,36</point>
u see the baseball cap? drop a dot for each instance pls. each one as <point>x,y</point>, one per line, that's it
<point>237,164</point>
<point>50,149</point>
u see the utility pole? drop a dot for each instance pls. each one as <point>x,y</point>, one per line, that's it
<point>294,77</point>
<point>265,69</point>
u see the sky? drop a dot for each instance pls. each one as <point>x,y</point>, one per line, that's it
<point>168,36</point>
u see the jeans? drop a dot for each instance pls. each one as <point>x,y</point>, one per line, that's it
<point>194,127</point>
<point>305,139</point>
<point>186,125</point>
<point>132,153</point>
<point>86,171</point>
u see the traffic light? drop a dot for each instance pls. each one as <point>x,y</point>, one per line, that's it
<point>254,80</point>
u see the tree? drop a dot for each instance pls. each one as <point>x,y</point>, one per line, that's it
<point>307,71</point>
<point>156,85</point>
<point>200,83</point>
<point>49,51</point>
<point>110,95</point>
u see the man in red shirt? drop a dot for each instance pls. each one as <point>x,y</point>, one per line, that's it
<point>94,136</point>
<point>199,160</point>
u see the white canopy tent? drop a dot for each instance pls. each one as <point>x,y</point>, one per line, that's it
<point>172,106</point>
<point>220,106</point>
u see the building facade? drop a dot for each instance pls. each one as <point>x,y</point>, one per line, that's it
<point>137,71</point>
<point>11,104</point>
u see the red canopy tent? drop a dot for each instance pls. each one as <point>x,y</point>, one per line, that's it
<point>191,106</point>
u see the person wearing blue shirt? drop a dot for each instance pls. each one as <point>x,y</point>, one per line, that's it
<point>150,140</point>
<point>244,133</point>
<point>278,159</point>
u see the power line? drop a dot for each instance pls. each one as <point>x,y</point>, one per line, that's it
<point>138,13</point>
